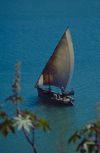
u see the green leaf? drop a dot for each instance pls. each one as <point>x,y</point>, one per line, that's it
<point>4,131</point>
<point>10,99</point>
<point>11,128</point>
<point>19,98</point>
<point>44,124</point>
<point>28,112</point>
<point>90,133</point>
<point>1,106</point>
<point>3,115</point>
<point>75,136</point>
<point>6,126</point>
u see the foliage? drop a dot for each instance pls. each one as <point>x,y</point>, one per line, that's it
<point>44,124</point>
<point>89,137</point>
<point>6,126</point>
<point>24,120</point>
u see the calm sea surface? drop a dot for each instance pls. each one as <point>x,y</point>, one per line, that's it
<point>29,32</point>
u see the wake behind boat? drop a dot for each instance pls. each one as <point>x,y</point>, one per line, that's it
<point>58,72</point>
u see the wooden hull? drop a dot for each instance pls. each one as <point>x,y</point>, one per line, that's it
<point>53,97</point>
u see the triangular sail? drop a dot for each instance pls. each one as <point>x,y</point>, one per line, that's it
<point>58,70</point>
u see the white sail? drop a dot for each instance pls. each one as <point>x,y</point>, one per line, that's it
<point>58,71</point>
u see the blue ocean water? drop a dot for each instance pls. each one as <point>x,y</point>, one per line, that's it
<point>29,32</point>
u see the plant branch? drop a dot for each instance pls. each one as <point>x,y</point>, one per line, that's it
<point>32,144</point>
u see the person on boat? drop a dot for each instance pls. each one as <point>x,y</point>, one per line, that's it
<point>64,93</point>
<point>54,96</point>
<point>58,96</point>
<point>71,92</point>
